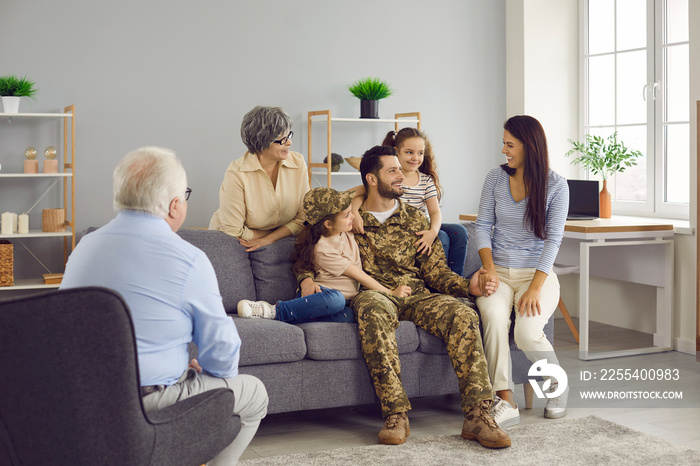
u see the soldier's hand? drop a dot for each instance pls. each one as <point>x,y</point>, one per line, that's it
<point>488,281</point>
<point>358,225</point>
<point>401,291</point>
<point>482,283</point>
<point>309,286</point>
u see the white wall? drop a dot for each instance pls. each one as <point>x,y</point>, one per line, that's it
<point>542,70</point>
<point>182,74</point>
<point>686,291</point>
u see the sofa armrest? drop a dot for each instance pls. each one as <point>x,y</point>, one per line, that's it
<point>195,430</point>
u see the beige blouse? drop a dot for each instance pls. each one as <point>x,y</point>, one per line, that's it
<point>248,201</point>
<point>333,255</point>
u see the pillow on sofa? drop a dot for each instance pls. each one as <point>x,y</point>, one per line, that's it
<point>272,271</point>
<point>230,262</point>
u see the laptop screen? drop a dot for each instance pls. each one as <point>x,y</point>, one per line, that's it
<point>583,199</point>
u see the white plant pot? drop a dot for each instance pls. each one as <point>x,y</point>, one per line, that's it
<point>10,104</point>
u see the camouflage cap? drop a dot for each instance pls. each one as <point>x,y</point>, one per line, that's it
<point>321,202</point>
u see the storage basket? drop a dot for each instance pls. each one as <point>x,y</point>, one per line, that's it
<point>7,277</point>
<point>53,220</point>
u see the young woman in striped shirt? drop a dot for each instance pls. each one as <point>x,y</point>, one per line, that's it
<point>422,190</point>
<point>519,228</point>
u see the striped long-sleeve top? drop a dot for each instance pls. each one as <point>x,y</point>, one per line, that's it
<point>501,224</point>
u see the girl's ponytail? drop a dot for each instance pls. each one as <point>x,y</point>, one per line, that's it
<point>389,139</point>
<point>303,255</point>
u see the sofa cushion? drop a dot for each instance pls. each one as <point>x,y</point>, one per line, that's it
<point>472,262</point>
<point>326,341</point>
<point>430,344</point>
<point>267,341</point>
<point>230,262</point>
<point>272,271</point>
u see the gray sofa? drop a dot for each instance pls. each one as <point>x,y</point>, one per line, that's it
<point>319,365</point>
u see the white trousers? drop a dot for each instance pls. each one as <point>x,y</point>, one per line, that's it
<point>495,313</point>
<point>250,405</point>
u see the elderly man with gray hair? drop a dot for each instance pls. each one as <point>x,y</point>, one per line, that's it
<point>262,192</point>
<point>171,290</point>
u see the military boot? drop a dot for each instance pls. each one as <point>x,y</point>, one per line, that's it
<point>395,429</point>
<point>480,426</point>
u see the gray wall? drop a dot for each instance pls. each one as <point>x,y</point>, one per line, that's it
<point>181,74</point>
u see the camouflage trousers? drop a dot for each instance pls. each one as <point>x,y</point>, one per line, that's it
<point>444,316</point>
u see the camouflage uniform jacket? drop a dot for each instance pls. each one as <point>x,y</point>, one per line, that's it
<point>390,257</point>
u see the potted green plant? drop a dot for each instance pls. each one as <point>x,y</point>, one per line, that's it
<point>370,91</point>
<point>336,160</point>
<point>12,88</point>
<point>604,157</point>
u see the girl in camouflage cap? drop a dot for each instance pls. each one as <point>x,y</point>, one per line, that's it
<point>327,247</point>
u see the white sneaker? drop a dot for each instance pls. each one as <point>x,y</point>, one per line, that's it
<point>556,407</point>
<point>504,414</point>
<point>251,309</point>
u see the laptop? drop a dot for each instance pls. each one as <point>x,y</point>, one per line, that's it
<point>583,200</point>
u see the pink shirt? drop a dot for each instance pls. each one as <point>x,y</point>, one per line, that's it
<point>333,255</point>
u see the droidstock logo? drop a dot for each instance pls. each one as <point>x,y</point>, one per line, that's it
<point>548,371</point>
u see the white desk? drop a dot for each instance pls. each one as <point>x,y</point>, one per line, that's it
<point>622,249</point>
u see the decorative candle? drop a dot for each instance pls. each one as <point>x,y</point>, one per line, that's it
<point>6,228</point>
<point>23,227</point>
<point>14,222</point>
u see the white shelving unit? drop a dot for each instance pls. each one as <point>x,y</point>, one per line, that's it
<point>325,115</point>
<point>34,175</point>
<point>67,179</point>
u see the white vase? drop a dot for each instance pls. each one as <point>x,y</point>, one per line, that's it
<point>10,104</point>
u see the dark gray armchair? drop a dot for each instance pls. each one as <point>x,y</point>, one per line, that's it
<point>71,390</point>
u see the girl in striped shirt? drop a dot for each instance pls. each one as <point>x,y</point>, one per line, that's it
<point>422,190</point>
<point>519,228</point>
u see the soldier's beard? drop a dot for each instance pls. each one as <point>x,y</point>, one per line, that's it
<point>387,192</point>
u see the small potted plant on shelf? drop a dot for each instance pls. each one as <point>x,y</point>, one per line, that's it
<point>604,157</point>
<point>12,88</point>
<point>336,160</point>
<point>370,91</point>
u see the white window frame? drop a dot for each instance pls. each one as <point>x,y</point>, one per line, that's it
<point>655,205</point>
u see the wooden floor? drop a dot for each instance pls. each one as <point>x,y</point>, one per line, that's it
<point>306,431</point>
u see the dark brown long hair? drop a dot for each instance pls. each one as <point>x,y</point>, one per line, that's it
<point>303,255</point>
<point>429,167</point>
<point>529,131</point>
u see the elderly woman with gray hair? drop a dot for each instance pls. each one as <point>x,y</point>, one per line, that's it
<point>262,192</point>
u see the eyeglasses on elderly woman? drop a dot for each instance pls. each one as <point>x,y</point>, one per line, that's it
<point>285,139</point>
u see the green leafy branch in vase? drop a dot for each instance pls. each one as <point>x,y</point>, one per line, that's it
<point>603,157</point>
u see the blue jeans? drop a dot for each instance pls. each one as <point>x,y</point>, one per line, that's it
<point>454,238</point>
<point>328,305</point>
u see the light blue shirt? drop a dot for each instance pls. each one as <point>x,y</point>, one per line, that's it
<point>172,292</point>
<point>500,224</point>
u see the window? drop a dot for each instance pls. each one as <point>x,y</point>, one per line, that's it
<point>636,82</point>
